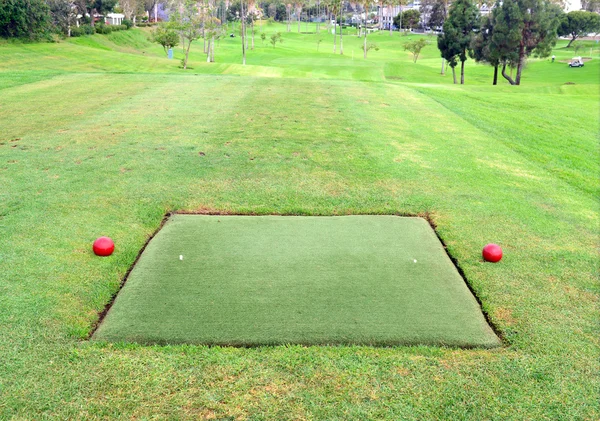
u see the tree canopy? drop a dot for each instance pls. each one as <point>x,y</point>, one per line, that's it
<point>578,23</point>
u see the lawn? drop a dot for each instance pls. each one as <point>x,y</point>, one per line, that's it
<point>104,136</point>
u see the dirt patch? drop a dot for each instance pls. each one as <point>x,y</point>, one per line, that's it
<point>585,60</point>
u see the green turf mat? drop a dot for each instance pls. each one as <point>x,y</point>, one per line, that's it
<point>258,280</point>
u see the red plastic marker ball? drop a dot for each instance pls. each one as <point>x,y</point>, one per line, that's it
<point>104,246</point>
<point>492,253</point>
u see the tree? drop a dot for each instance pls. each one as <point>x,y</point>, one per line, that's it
<point>437,15</point>
<point>275,38</point>
<point>591,5</point>
<point>186,20</point>
<point>578,23</point>
<point>482,48</point>
<point>506,36</point>
<point>63,14</point>
<point>415,47</point>
<point>463,20</point>
<point>24,19</point>
<point>131,8</point>
<point>165,36</point>
<point>93,7</point>
<point>408,20</point>
<point>263,37</point>
<point>524,28</point>
<point>365,4</point>
<point>450,48</point>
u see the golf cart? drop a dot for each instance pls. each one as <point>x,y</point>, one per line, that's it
<point>576,62</point>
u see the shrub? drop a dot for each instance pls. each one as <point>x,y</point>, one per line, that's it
<point>127,23</point>
<point>77,32</point>
<point>142,24</point>
<point>88,29</point>
<point>24,19</point>
<point>103,29</point>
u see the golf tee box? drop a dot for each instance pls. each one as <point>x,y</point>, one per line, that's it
<point>269,280</point>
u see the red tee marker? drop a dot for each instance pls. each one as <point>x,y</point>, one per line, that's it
<point>492,253</point>
<point>103,246</point>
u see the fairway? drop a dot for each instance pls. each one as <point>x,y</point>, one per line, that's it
<point>103,135</point>
<point>251,280</point>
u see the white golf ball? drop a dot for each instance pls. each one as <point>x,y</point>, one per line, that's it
<point>415,260</point>
<point>181,257</point>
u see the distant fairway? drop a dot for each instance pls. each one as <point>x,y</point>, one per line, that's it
<point>103,135</point>
<point>376,280</point>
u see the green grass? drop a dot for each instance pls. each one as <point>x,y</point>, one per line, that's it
<point>98,141</point>
<point>252,280</point>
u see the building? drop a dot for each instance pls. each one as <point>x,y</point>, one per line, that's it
<point>114,19</point>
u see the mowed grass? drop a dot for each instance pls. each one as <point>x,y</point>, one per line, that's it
<point>277,280</point>
<point>105,142</point>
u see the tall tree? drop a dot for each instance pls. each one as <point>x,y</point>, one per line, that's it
<point>481,46</point>
<point>186,20</point>
<point>129,7</point>
<point>450,47</point>
<point>578,23</point>
<point>463,20</point>
<point>437,17</point>
<point>365,4</point>
<point>64,15</point>
<point>408,20</point>
<point>506,35</point>
<point>532,26</point>
<point>93,7</point>
<point>341,9</point>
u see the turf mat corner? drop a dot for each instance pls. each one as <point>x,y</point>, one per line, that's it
<point>269,280</point>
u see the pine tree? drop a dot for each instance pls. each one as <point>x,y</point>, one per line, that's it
<point>463,20</point>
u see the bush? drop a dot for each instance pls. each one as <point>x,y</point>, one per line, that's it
<point>127,23</point>
<point>24,19</point>
<point>87,29</point>
<point>77,32</point>
<point>142,24</point>
<point>103,29</point>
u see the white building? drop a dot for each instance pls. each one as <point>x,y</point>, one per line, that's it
<point>114,19</point>
<point>387,14</point>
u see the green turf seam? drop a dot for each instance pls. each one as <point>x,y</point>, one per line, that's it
<point>427,215</point>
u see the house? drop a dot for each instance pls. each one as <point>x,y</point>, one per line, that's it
<point>114,19</point>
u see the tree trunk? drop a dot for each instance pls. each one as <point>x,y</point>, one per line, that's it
<point>92,13</point>
<point>520,65</point>
<point>495,75</point>
<point>156,12</point>
<point>571,41</point>
<point>299,11</point>
<point>443,62</point>
<point>252,34</point>
<point>243,33</point>
<point>519,70</point>
<point>462,72</point>
<point>187,53</point>
<point>208,52</point>
<point>212,50</point>
<point>334,38</point>
<point>365,45</point>
<point>454,73</point>
<point>507,77</point>
<point>341,38</point>
<point>390,18</point>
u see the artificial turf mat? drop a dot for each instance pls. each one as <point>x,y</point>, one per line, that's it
<point>259,280</point>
